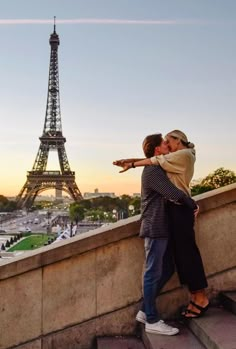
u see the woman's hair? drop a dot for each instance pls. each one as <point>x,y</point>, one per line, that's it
<point>150,143</point>
<point>177,134</point>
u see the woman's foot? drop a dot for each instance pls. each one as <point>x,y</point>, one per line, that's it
<point>195,310</point>
<point>198,305</point>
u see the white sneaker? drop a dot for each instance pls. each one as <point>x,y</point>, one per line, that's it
<point>141,317</point>
<point>161,327</point>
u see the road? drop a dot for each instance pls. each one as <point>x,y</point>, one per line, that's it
<point>36,221</point>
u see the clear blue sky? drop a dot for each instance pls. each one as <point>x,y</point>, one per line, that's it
<point>127,68</point>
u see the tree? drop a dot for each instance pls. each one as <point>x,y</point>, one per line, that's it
<point>76,212</point>
<point>7,205</point>
<point>219,178</point>
<point>86,204</point>
<point>199,189</point>
<point>3,200</point>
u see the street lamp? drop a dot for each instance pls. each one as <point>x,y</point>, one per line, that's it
<point>48,225</point>
<point>105,216</point>
<point>115,214</point>
<point>131,209</point>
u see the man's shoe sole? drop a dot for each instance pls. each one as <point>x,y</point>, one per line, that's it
<point>159,332</point>
<point>139,319</point>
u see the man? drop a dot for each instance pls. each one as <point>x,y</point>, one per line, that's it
<point>156,189</point>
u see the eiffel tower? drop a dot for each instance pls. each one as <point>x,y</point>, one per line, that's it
<point>39,179</point>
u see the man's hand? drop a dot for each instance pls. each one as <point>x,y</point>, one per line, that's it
<point>126,167</point>
<point>124,164</point>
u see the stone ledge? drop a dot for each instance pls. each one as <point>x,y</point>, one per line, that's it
<point>215,198</point>
<point>101,237</point>
<point>72,247</point>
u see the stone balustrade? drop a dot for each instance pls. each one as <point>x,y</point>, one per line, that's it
<point>64,295</point>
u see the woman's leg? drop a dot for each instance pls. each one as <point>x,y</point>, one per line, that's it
<point>187,256</point>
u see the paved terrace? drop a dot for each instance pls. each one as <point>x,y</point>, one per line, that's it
<point>64,295</point>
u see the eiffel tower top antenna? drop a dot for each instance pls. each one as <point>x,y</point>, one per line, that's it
<point>54,24</point>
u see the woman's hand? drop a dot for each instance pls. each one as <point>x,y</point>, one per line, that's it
<point>121,162</point>
<point>195,212</point>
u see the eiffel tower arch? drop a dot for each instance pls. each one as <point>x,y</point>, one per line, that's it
<point>52,139</point>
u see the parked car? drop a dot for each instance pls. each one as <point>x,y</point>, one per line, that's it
<point>2,231</point>
<point>25,230</point>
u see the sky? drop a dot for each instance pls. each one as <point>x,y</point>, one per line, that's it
<point>127,69</point>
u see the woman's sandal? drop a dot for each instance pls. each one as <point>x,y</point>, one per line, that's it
<point>196,315</point>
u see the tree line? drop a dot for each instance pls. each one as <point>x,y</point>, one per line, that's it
<point>103,208</point>
<point>7,205</point>
<point>111,209</point>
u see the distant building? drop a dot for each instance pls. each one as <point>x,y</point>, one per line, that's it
<point>53,198</point>
<point>58,194</point>
<point>11,198</point>
<point>136,195</point>
<point>195,182</point>
<point>45,198</point>
<point>97,194</point>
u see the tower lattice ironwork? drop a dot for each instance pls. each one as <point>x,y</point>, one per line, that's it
<point>39,179</point>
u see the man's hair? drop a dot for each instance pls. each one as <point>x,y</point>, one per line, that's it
<point>150,143</point>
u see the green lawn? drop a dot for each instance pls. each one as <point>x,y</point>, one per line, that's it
<point>31,242</point>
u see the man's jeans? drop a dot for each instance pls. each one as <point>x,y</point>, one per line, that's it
<point>159,268</point>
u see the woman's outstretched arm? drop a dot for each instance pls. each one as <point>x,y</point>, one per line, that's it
<point>120,162</point>
<point>126,165</point>
<point>173,162</point>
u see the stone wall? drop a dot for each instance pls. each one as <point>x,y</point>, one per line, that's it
<point>64,295</point>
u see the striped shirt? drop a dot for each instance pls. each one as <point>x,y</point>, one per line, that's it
<point>156,190</point>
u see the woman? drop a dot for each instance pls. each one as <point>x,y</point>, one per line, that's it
<point>179,165</point>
